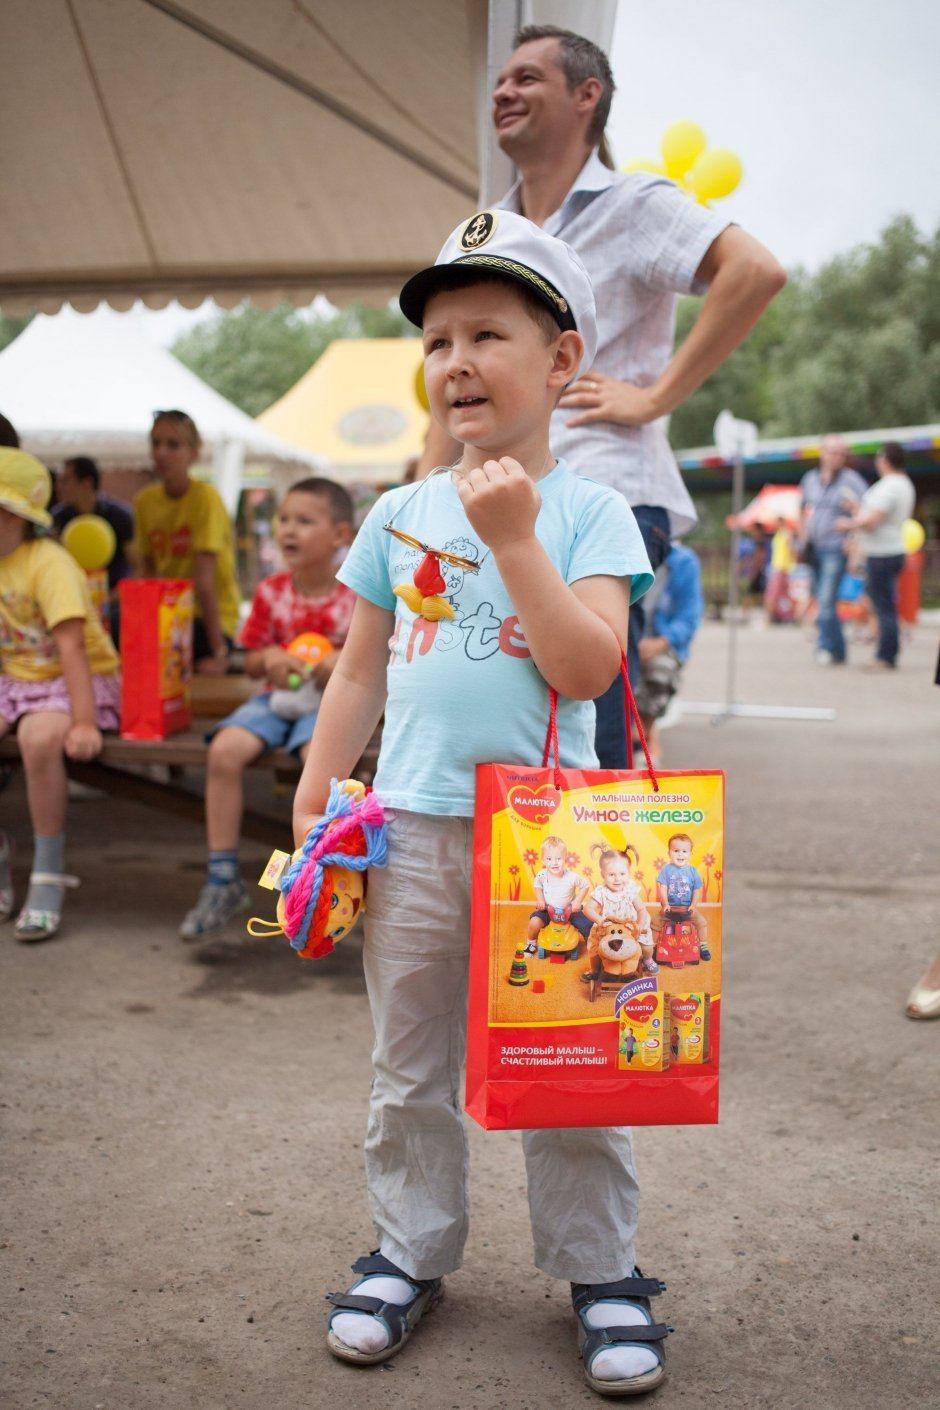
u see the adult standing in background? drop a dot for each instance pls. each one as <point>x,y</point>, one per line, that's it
<point>643,243</point>
<point>79,487</point>
<point>184,531</point>
<point>826,494</point>
<point>879,521</point>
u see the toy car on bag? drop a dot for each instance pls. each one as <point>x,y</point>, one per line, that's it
<point>678,943</point>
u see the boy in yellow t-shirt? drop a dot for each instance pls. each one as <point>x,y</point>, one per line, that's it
<point>183,530</point>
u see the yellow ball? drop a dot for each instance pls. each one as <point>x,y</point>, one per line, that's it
<point>912,536</point>
<point>90,540</point>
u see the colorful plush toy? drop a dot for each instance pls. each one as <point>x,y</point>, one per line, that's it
<point>323,884</point>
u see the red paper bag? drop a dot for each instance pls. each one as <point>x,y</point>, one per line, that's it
<point>584,1032</point>
<point>156,656</point>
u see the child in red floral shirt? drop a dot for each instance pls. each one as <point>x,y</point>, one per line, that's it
<point>314,522</point>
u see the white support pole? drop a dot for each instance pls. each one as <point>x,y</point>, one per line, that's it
<point>227,460</point>
<point>734,440</point>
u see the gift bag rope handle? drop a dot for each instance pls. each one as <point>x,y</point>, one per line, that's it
<point>630,711</point>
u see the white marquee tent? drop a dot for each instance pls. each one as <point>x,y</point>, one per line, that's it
<point>90,383</point>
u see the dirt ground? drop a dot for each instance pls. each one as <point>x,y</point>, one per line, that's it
<point>181,1163</point>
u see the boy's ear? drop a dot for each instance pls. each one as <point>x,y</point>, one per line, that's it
<point>569,350</point>
<point>343,533</point>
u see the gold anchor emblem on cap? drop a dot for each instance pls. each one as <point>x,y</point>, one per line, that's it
<point>478,229</point>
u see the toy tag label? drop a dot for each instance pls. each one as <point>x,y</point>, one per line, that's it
<point>277,864</point>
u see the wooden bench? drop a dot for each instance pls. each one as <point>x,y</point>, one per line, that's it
<point>127,766</point>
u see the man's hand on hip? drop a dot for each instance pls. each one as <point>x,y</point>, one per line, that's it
<point>604,398</point>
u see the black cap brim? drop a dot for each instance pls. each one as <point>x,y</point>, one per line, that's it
<point>421,286</point>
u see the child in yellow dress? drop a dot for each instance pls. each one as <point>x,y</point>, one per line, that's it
<point>59,681</point>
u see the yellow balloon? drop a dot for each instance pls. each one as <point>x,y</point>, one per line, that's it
<point>716,173</point>
<point>641,164</point>
<point>421,391</point>
<point>681,144</point>
<point>912,536</point>
<point>90,540</point>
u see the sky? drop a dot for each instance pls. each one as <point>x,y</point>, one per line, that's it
<point>832,106</point>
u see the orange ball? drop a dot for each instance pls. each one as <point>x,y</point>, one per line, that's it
<point>311,648</point>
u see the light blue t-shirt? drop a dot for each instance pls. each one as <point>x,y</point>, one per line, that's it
<point>465,691</point>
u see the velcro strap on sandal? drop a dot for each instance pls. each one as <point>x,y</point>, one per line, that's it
<point>378,1263</point>
<point>643,1331</point>
<point>635,1287</point>
<point>372,1263</point>
<point>600,1337</point>
<point>395,1318</point>
<point>356,1302</point>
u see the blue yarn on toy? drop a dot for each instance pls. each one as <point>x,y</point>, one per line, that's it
<point>339,805</point>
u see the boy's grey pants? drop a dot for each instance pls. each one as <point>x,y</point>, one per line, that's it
<point>582,1185</point>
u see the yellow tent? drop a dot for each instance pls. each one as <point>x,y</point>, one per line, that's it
<point>357,409</point>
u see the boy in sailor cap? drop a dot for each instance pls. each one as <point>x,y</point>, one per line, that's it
<point>478,589</point>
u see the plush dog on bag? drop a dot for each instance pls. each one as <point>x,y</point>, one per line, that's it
<point>614,948</point>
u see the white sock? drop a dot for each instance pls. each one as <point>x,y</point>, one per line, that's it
<point>617,1363</point>
<point>361,1330</point>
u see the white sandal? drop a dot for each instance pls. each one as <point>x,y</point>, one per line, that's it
<point>34,925</point>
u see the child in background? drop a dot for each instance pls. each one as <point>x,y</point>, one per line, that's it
<point>679,890</point>
<point>618,897</point>
<point>778,604</point>
<point>314,522</point>
<point>524,571</point>
<point>184,531</point>
<point>559,892</point>
<point>60,684</point>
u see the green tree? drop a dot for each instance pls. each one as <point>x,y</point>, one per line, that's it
<point>11,328</point>
<point>253,356</point>
<point>743,384</point>
<point>852,346</point>
<point>863,346</point>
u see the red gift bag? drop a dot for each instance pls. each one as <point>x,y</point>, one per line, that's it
<point>156,656</point>
<point>582,1029</point>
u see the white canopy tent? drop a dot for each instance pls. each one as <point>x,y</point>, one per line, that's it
<point>90,383</point>
<point>232,148</point>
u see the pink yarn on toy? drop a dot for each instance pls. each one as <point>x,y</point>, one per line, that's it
<point>342,837</point>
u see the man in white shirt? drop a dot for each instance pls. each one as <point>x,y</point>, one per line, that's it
<point>643,242</point>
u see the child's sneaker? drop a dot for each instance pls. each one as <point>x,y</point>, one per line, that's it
<point>651,966</point>
<point>217,905</point>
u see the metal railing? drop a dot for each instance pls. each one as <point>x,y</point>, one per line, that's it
<point>714,559</point>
